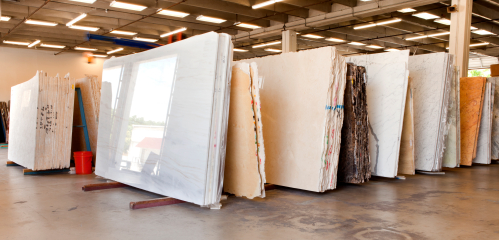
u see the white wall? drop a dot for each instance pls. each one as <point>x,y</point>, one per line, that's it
<point>18,65</point>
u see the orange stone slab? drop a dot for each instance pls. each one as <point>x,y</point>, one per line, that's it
<point>472,93</point>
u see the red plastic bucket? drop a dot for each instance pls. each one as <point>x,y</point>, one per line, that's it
<point>83,162</point>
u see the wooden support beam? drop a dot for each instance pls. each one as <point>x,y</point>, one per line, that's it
<point>459,40</point>
<point>100,186</point>
<point>32,172</point>
<point>289,42</point>
<point>10,164</point>
<point>154,203</point>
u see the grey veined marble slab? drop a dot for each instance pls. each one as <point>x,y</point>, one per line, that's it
<point>431,77</point>
<point>452,152</point>
<point>387,79</point>
<point>495,121</point>
<point>163,118</point>
<point>483,151</point>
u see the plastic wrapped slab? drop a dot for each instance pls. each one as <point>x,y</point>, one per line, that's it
<point>431,79</point>
<point>472,91</point>
<point>354,163</point>
<point>245,160</point>
<point>163,118</point>
<point>42,122</point>
<point>483,151</point>
<point>387,79</point>
<point>452,153</point>
<point>302,111</point>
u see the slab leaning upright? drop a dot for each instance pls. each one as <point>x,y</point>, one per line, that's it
<point>163,118</point>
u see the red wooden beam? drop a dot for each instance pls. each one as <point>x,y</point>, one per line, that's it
<point>99,186</point>
<point>154,203</point>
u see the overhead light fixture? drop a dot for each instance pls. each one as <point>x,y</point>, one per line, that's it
<point>473,28</point>
<point>272,50</point>
<point>123,32</point>
<point>4,18</point>
<point>356,43</point>
<point>443,21</point>
<point>374,46</point>
<point>388,21</point>
<point>246,25</point>
<point>145,39</point>
<point>84,1</point>
<point>266,44</point>
<point>52,46</point>
<point>85,49</point>
<point>115,50</point>
<point>364,26</point>
<point>210,19</point>
<point>239,50</point>
<point>16,43</point>
<point>76,19</point>
<point>392,50</point>
<point>127,6</point>
<point>406,10</point>
<point>312,36</point>
<point>425,15</point>
<point>335,40</point>
<point>98,55</point>
<point>263,4</point>
<point>38,22</point>
<point>173,13</point>
<point>173,32</point>
<point>84,28</point>
<point>418,37</point>
<point>439,34</point>
<point>479,44</point>
<point>482,32</point>
<point>34,43</point>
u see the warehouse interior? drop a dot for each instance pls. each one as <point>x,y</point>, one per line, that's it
<point>288,119</point>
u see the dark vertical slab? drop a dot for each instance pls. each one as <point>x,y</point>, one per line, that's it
<point>354,164</point>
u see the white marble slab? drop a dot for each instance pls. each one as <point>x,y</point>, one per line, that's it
<point>163,118</point>
<point>387,78</point>
<point>429,73</point>
<point>495,121</point>
<point>483,151</point>
<point>452,152</point>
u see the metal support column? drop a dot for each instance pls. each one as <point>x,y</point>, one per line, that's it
<point>289,41</point>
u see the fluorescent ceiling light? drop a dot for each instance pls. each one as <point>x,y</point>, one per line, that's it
<point>356,43</point>
<point>97,55</point>
<point>392,50</point>
<point>4,18</point>
<point>473,28</point>
<point>38,22</point>
<point>425,15</point>
<point>443,21</point>
<point>210,19</point>
<point>374,46</point>
<point>263,4</point>
<point>479,44</point>
<point>34,43</point>
<point>334,40</point>
<point>439,34</point>
<point>389,21</point>
<point>406,10</point>
<point>312,36</point>
<point>364,26</point>
<point>84,1</point>
<point>85,49</point>
<point>266,44</point>
<point>115,50</point>
<point>145,39</point>
<point>123,32</point>
<point>84,28</point>
<point>16,43</point>
<point>482,32</point>
<point>246,25</point>
<point>414,38</point>
<point>173,32</point>
<point>173,13</point>
<point>128,6</point>
<point>76,19</point>
<point>272,50</point>
<point>52,46</point>
<point>239,50</point>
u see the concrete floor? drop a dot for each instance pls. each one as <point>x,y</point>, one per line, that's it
<point>462,204</point>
